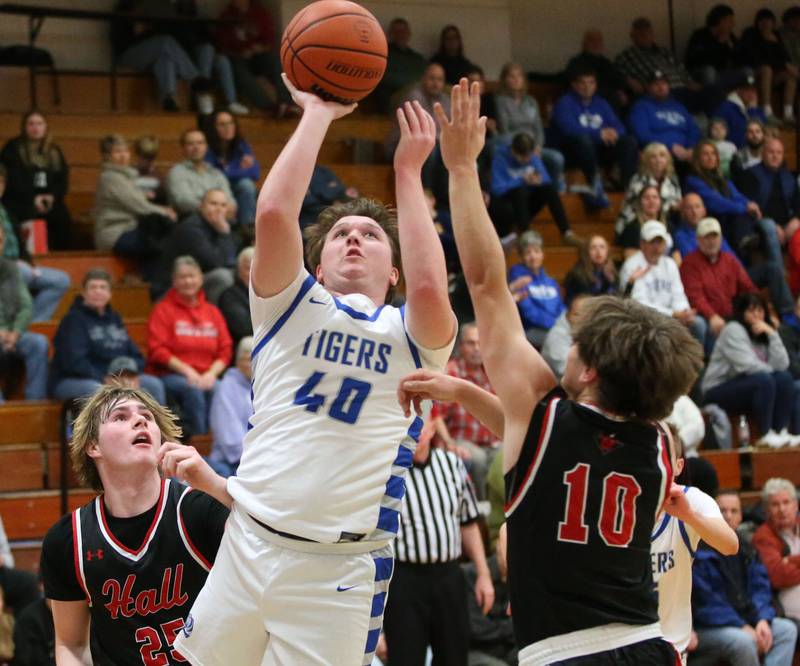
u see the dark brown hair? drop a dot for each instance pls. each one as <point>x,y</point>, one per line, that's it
<point>644,360</point>
<point>384,216</point>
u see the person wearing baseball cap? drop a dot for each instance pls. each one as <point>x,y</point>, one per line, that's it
<point>712,277</point>
<point>653,279</point>
<point>124,370</point>
<point>658,117</point>
<point>740,107</point>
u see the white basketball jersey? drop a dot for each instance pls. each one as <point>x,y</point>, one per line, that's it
<point>326,455</point>
<point>672,549</point>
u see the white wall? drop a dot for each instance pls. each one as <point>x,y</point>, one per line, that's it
<point>542,34</point>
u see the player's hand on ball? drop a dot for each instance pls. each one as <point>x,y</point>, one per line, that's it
<point>424,385</point>
<point>307,101</point>
<point>417,136</point>
<point>464,133</point>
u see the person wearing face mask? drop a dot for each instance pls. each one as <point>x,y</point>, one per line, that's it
<point>38,177</point>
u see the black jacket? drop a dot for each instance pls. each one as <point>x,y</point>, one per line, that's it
<point>25,180</point>
<point>235,306</point>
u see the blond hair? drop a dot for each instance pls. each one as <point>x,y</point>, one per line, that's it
<point>95,411</point>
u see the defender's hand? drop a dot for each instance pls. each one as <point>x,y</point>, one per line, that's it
<point>417,137</point>
<point>464,134</point>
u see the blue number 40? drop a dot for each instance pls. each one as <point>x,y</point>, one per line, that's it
<point>347,404</point>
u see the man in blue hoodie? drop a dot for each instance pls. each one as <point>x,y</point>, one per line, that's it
<point>592,136</point>
<point>739,108</point>
<point>521,186</point>
<point>659,117</point>
<point>538,296</point>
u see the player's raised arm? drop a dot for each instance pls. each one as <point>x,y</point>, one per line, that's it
<point>430,319</point>
<point>519,376</point>
<point>279,245</point>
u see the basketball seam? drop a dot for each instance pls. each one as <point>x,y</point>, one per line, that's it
<point>336,48</point>
<point>319,76</point>
<point>328,18</point>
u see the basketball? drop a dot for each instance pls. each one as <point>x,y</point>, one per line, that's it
<point>335,49</point>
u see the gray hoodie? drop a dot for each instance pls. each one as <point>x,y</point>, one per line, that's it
<point>736,354</point>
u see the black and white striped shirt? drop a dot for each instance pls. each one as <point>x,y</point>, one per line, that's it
<point>439,500</point>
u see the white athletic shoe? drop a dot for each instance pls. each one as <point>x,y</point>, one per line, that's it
<point>238,109</point>
<point>774,440</point>
<point>792,440</point>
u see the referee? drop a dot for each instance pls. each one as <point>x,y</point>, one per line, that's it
<point>427,604</point>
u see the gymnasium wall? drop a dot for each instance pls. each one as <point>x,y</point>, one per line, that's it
<point>541,34</point>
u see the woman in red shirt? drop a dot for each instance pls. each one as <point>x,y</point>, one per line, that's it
<point>188,343</point>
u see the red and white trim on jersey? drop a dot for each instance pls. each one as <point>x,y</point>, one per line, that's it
<point>118,546</point>
<point>193,550</point>
<point>77,553</point>
<point>665,466</point>
<point>538,456</point>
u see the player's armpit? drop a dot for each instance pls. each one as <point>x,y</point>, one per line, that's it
<point>71,619</point>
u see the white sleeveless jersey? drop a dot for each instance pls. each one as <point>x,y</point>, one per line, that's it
<point>672,549</point>
<point>328,446</point>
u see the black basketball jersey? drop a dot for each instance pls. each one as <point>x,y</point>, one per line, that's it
<point>138,598</point>
<point>580,506</point>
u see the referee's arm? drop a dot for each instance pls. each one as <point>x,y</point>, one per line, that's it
<point>472,543</point>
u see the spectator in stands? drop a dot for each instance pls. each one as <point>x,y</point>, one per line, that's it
<point>46,285</point>
<point>762,49</point>
<point>248,40</point>
<point>750,153</point>
<point>404,65</point>
<point>125,221</point>
<point>459,430</point>
<point>538,296</point>
<point>718,133</point>
<point>231,409</point>
<point>611,84</point>
<point>325,189</point>
<point>790,34</point>
<point>188,343</point>
<point>713,278</point>
<point>732,604</point>
<point>38,177</point>
<point>35,635</point>
<point>739,108</point>
<point>19,586</point>
<point>488,106</point>
<point>594,273</point>
<point>653,279</point>
<point>234,303</point>
<point>90,336</point>
<point>16,312</point>
<point>206,237</point>
<point>230,153</point>
<point>521,186</point>
<point>778,543</point>
<point>558,340</point>
<point>712,55</point>
<point>517,111</point>
<point>774,188</point>
<point>657,117</point>
<point>592,135</point>
<point>748,371</point>
<point>150,178</point>
<point>684,234</point>
<point>648,207</point>
<point>451,55</point>
<point>655,169</point>
<point>188,181</point>
<point>687,420</point>
<point>736,213</point>
<point>789,331</point>
<point>637,63</point>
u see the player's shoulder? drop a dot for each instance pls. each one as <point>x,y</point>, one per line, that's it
<point>59,537</point>
<point>701,502</point>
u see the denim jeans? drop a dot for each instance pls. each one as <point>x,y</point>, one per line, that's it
<point>71,388</point>
<point>244,191</point>
<point>47,285</point>
<point>207,60</point>
<point>165,57</point>
<point>34,347</point>
<point>737,648</point>
<point>194,402</point>
<point>770,397</point>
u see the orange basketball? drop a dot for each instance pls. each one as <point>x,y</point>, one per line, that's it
<point>335,49</point>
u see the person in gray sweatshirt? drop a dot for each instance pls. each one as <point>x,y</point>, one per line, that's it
<point>748,372</point>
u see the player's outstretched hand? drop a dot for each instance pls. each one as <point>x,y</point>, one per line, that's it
<point>308,101</point>
<point>187,465</point>
<point>417,137</point>
<point>676,504</point>
<point>425,385</point>
<point>464,133</point>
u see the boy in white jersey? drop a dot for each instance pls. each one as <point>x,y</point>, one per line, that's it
<point>689,516</point>
<point>304,567</point>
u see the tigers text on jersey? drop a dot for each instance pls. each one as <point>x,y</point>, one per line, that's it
<point>582,501</point>
<point>138,599</point>
<point>672,552</point>
<point>329,446</point>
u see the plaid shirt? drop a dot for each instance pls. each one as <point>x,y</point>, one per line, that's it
<point>459,422</point>
<point>640,63</point>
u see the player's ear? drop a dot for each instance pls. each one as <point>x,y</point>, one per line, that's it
<point>318,274</point>
<point>588,375</point>
<point>679,463</point>
<point>394,277</point>
<point>93,450</point>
